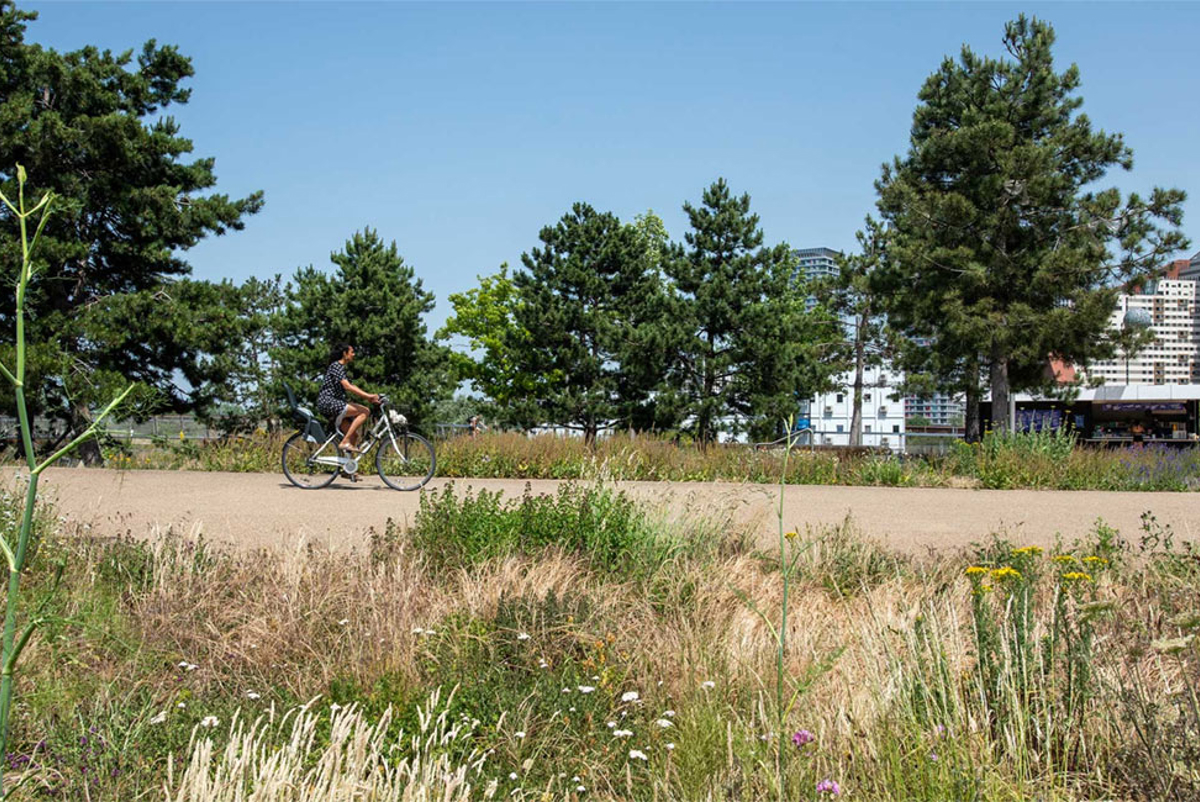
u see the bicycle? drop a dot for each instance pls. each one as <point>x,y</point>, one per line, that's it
<point>404,461</point>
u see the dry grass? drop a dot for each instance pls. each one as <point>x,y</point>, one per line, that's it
<point>884,650</point>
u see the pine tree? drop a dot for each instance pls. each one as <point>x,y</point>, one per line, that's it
<point>374,302</point>
<point>748,349</point>
<point>89,126</point>
<point>1003,255</point>
<point>582,297</point>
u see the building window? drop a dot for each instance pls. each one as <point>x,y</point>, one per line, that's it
<point>896,428</point>
<point>839,428</point>
<point>867,397</point>
<point>868,427</point>
<point>840,398</point>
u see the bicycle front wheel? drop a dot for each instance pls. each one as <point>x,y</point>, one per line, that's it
<point>299,467</point>
<point>405,463</point>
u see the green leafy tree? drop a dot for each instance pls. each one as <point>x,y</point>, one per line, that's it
<point>1003,253</point>
<point>373,301</point>
<point>487,317</point>
<point>89,126</point>
<point>584,295</point>
<point>748,350</point>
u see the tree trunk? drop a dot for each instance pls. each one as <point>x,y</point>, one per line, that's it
<point>89,450</point>
<point>998,375</point>
<point>974,428</point>
<point>856,412</point>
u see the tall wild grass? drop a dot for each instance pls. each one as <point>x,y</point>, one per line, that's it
<point>425,665</point>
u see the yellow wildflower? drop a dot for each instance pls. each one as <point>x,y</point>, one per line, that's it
<point>1030,550</point>
<point>1007,572</point>
<point>1094,560</point>
<point>1063,559</point>
<point>791,535</point>
<point>1076,576</point>
<point>975,570</point>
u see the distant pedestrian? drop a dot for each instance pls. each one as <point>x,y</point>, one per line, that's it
<point>475,426</point>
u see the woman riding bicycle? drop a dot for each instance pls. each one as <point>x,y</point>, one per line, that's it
<point>331,401</point>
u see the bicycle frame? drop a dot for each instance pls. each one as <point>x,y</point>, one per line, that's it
<point>373,438</point>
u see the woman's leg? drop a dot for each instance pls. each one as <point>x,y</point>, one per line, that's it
<point>356,414</point>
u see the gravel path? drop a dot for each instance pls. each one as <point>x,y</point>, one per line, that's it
<point>252,510</point>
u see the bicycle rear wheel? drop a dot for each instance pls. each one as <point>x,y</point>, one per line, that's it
<point>299,468</point>
<point>406,463</point>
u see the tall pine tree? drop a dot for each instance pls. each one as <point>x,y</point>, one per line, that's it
<point>90,126</point>
<point>584,295</point>
<point>747,348</point>
<point>1003,254</point>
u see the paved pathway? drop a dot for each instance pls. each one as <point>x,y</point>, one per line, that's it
<point>263,509</point>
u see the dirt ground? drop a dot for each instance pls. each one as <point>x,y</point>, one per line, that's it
<point>253,510</point>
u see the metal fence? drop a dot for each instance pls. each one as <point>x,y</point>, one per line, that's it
<point>175,427</point>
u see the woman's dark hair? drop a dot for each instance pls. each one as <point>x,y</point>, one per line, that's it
<point>338,351</point>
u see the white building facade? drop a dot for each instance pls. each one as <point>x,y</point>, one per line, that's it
<point>882,412</point>
<point>1168,308</point>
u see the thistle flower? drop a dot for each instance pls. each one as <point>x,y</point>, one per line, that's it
<point>803,737</point>
<point>829,787</point>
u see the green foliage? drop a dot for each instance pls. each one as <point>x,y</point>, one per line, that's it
<point>603,526</point>
<point>592,298</point>
<point>487,317</point>
<point>747,347</point>
<point>374,302</point>
<point>1003,252</point>
<point>89,126</point>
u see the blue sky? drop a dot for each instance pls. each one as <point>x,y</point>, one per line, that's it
<point>459,130</point>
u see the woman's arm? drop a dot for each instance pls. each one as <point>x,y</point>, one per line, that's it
<point>362,393</point>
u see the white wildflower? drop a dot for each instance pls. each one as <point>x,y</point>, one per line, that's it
<point>519,733</point>
<point>670,747</point>
<point>586,689</point>
<point>612,724</point>
<point>669,713</point>
<point>160,718</point>
<point>209,721</point>
<point>418,631</point>
<point>708,685</point>
<point>622,733</point>
<point>253,695</point>
<point>629,696</point>
<point>523,636</point>
<point>343,622</point>
<point>664,723</point>
<point>512,775</point>
<point>637,754</point>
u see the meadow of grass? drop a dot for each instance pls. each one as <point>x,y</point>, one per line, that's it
<point>577,647</point>
<point>1043,461</point>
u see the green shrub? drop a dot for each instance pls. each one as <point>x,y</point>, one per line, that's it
<point>606,527</point>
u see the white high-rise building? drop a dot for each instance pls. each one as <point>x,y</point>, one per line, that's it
<point>1169,308</point>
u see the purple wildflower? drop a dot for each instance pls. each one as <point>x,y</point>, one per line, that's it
<point>829,787</point>
<point>803,737</point>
